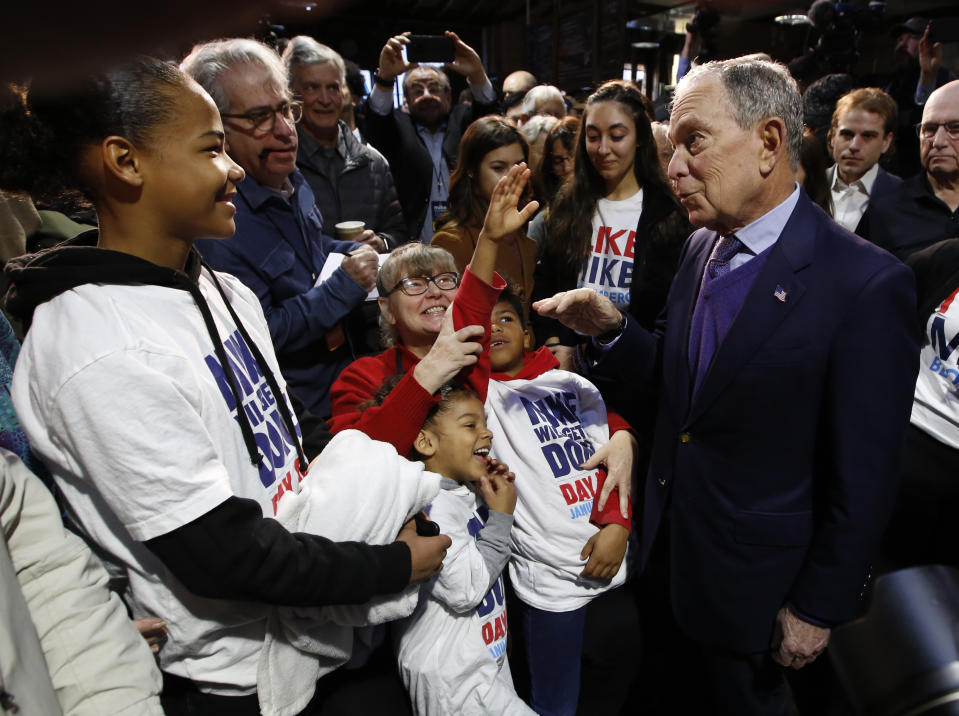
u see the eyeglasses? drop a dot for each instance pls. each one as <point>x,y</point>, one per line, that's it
<point>262,120</point>
<point>416,88</point>
<point>559,160</point>
<point>927,130</point>
<point>416,285</point>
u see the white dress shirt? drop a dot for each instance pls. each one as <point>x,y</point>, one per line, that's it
<point>850,201</point>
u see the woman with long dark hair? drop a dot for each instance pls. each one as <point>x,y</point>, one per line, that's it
<point>489,149</point>
<point>615,225</point>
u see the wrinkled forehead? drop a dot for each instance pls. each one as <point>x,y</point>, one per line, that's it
<point>249,86</point>
<point>699,102</point>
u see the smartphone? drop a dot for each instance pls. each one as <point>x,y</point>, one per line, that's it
<point>944,29</point>
<point>430,48</point>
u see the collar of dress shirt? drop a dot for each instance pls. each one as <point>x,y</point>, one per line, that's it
<point>763,232</point>
<point>864,183</point>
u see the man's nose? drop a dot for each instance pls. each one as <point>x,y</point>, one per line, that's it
<point>283,126</point>
<point>939,139</point>
<point>676,167</point>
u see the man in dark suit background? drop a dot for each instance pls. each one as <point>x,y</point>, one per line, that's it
<point>421,145</point>
<point>862,131</point>
<point>786,358</point>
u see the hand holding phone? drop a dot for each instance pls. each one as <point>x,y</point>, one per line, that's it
<point>430,48</point>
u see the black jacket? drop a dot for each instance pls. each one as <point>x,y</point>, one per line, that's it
<point>396,137</point>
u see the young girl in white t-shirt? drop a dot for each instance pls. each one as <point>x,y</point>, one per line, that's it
<point>149,387</point>
<point>452,651</point>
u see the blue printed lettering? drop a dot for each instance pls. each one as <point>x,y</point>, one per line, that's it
<point>221,381</point>
<point>937,337</point>
<point>544,433</point>
<point>556,459</point>
<point>606,274</point>
<point>253,413</point>
<point>238,348</point>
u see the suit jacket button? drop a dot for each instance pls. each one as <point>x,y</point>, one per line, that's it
<point>662,482</point>
<point>684,438</point>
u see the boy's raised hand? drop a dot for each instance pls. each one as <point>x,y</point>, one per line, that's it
<point>605,551</point>
<point>503,217</point>
<point>497,489</point>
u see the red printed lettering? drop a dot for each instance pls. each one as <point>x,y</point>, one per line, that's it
<point>600,238</point>
<point>276,497</point>
<point>581,491</point>
<point>500,630</point>
<point>630,241</point>
<point>488,633</point>
<point>611,241</point>
<point>569,494</point>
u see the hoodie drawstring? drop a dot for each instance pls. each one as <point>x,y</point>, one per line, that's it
<point>285,412</point>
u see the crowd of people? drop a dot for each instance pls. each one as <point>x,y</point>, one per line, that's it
<point>331,405</point>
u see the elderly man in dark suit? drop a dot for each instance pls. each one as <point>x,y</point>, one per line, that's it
<point>421,145</point>
<point>786,359</point>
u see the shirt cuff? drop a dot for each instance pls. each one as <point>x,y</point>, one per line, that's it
<point>807,618</point>
<point>483,93</point>
<point>381,100</point>
<point>604,347</point>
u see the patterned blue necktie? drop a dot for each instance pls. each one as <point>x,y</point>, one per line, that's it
<point>723,252</point>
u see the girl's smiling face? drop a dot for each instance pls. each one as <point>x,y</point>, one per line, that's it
<point>189,180</point>
<point>456,441</point>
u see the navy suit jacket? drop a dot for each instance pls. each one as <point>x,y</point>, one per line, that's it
<point>780,473</point>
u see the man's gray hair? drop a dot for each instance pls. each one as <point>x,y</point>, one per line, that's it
<point>537,126</point>
<point>303,51</point>
<point>538,96</point>
<point>208,62</point>
<point>757,89</point>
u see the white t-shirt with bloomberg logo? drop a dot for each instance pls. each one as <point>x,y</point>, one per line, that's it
<point>935,409</point>
<point>609,267</point>
<point>135,420</point>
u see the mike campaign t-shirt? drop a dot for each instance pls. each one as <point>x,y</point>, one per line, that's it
<point>609,266</point>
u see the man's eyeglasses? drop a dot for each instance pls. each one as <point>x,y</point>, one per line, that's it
<point>416,88</point>
<point>927,130</point>
<point>416,285</point>
<point>560,161</point>
<point>262,120</point>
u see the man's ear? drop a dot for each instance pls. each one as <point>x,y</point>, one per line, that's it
<point>772,134</point>
<point>527,340</point>
<point>122,161</point>
<point>887,142</point>
<point>426,443</point>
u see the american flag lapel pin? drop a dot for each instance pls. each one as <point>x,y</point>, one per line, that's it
<point>780,294</point>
